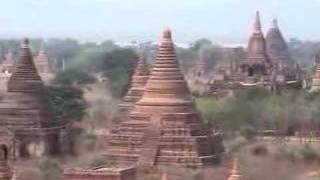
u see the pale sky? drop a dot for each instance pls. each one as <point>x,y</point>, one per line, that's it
<point>126,20</point>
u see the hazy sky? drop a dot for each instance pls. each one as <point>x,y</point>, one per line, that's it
<point>126,20</point>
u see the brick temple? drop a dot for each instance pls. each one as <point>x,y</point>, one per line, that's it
<point>25,109</point>
<point>164,127</point>
<point>315,81</point>
<point>136,86</point>
<point>43,66</point>
<point>267,64</point>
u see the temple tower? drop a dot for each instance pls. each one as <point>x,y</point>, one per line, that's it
<point>164,127</point>
<point>277,48</point>
<point>138,81</point>
<point>25,109</point>
<point>235,172</point>
<point>315,83</point>
<point>256,62</point>
<point>43,66</point>
<point>42,61</point>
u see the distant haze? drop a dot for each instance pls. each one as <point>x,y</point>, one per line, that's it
<point>224,21</point>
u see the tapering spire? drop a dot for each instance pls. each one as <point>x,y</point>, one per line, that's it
<point>276,45</point>
<point>256,45</point>
<point>275,23</point>
<point>42,60</point>
<point>257,23</point>
<point>166,80</point>
<point>235,172</point>
<point>25,77</point>
<point>138,81</point>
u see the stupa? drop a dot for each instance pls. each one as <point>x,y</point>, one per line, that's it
<point>164,127</point>
<point>25,110</point>
<point>138,81</point>
<point>276,46</point>
<point>42,61</point>
<point>256,62</point>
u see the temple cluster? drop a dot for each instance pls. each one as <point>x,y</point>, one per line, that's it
<point>267,65</point>
<point>158,121</point>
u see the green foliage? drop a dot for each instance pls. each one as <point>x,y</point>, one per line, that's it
<point>73,77</point>
<point>260,109</point>
<point>67,102</point>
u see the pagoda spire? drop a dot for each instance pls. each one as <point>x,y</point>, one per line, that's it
<point>25,77</point>
<point>166,80</point>
<point>257,23</point>
<point>138,81</point>
<point>275,23</point>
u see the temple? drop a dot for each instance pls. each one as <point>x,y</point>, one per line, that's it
<point>163,127</point>
<point>267,65</point>
<point>43,66</point>
<point>315,82</point>
<point>257,63</point>
<point>138,81</point>
<point>25,109</point>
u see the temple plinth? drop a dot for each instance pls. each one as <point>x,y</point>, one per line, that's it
<point>100,173</point>
<point>138,81</point>
<point>25,109</point>
<point>164,127</point>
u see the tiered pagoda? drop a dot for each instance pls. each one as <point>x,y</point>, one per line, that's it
<point>25,109</point>
<point>43,66</point>
<point>42,61</point>
<point>277,48</point>
<point>138,81</point>
<point>164,127</point>
<point>257,63</point>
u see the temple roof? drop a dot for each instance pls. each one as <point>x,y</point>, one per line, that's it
<point>256,45</point>
<point>166,84</point>
<point>25,77</point>
<point>275,43</point>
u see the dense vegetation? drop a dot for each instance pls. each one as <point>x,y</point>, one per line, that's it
<point>259,109</point>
